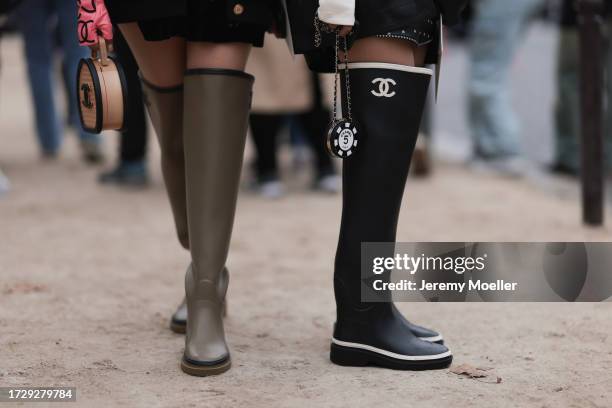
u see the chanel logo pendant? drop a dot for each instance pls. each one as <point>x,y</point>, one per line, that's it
<point>343,134</point>
<point>342,139</point>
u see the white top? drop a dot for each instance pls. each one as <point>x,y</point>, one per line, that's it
<point>338,12</point>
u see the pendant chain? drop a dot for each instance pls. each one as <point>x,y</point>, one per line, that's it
<point>319,27</point>
<point>347,80</point>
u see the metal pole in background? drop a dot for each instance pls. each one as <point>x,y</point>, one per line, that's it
<point>591,93</point>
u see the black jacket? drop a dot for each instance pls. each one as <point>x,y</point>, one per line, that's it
<point>259,12</point>
<point>372,17</point>
<point>451,10</point>
<point>7,5</point>
<point>380,16</point>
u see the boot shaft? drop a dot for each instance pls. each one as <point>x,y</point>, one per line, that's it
<point>216,106</point>
<point>216,109</point>
<point>387,102</point>
<point>165,106</point>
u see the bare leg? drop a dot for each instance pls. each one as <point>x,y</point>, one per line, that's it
<point>162,63</point>
<point>214,55</point>
<point>388,50</point>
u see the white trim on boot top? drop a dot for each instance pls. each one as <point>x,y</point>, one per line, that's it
<point>385,65</point>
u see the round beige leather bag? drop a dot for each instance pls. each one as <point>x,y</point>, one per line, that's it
<point>102,92</point>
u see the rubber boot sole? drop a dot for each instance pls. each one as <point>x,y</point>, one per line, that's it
<point>354,357</point>
<point>205,370</point>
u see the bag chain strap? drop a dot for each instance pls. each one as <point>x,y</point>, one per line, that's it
<point>319,27</point>
<point>347,80</point>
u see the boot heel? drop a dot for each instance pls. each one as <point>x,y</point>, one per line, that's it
<point>346,356</point>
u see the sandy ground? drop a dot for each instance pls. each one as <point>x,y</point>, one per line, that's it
<point>89,276</point>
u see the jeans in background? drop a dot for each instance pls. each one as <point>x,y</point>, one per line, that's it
<point>38,20</point>
<point>498,28</point>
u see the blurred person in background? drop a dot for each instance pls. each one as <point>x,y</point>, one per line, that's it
<point>422,163</point>
<point>5,7</point>
<point>131,169</point>
<point>497,29</point>
<point>568,109</point>
<point>38,20</point>
<point>278,97</point>
<point>461,30</point>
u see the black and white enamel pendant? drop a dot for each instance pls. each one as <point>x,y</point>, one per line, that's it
<point>342,139</point>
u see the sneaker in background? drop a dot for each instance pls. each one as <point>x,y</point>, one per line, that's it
<point>330,184</point>
<point>127,174</point>
<point>506,166</point>
<point>91,151</point>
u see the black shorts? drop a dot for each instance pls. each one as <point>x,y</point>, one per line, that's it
<point>417,21</point>
<point>194,20</point>
<point>424,33</point>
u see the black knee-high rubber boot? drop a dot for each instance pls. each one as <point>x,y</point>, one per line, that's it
<point>387,102</point>
<point>381,88</point>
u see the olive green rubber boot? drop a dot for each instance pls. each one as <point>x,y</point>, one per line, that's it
<point>217,103</point>
<point>178,323</point>
<point>165,106</point>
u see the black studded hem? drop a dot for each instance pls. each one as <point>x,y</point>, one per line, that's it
<point>420,34</point>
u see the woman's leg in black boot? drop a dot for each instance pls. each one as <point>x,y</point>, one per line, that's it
<point>373,186</point>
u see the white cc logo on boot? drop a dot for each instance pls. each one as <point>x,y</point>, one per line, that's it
<point>384,86</point>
